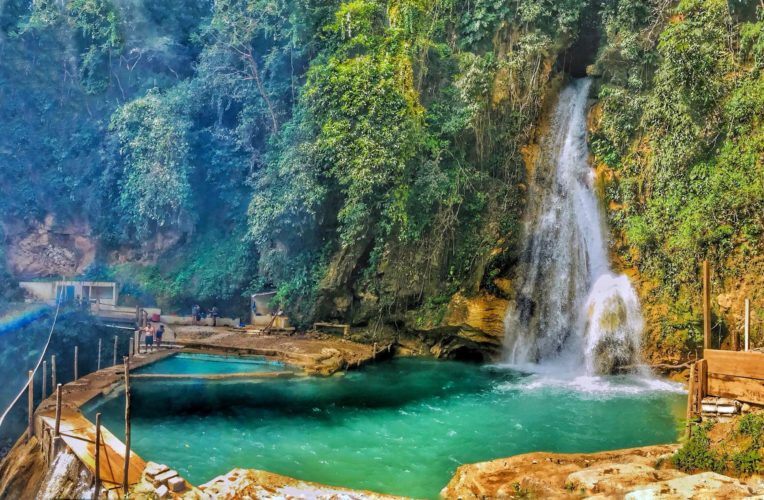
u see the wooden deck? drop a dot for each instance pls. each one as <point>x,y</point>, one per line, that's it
<point>79,435</point>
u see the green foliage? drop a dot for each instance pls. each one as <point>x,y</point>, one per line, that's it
<point>368,133</point>
<point>697,454</point>
<point>681,125</point>
<point>752,425</point>
<point>740,450</point>
<point>152,169</point>
<point>319,148</point>
<point>97,28</point>
<point>99,32</point>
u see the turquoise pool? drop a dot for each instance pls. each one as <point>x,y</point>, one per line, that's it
<point>207,364</point>
<point>400,427</point>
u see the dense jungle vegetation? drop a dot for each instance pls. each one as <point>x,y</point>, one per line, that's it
<point>680,125</point>
<point>365,157</point>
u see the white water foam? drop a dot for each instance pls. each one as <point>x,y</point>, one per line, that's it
<point>593,386</point>
<point>570,307</point>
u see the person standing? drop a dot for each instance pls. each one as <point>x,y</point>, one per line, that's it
<point>214,313</point>
<point>149,338</point>
<point>160,334</point>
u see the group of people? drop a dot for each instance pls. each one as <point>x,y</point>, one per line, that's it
<point>198,314</point>
<point>150,332</point>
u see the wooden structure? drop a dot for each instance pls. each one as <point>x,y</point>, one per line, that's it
<point>79,434</point>
<point>345,328</point>
<point>265,316</point>
<point>737,375</point>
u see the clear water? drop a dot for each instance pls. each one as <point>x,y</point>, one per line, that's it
<point>206,364</point>
<point>400,427</point>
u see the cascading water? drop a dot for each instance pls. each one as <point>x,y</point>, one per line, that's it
<point>569,304</point>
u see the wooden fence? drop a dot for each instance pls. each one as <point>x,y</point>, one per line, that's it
<point>737,375</point>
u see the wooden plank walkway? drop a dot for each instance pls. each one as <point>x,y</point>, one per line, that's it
<point>79,434</point>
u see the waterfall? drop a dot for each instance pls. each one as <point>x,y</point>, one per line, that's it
<point>569,304</point>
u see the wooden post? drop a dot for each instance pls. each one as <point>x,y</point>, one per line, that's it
<point>702,388</point>
<point>136,342</point>
<point>99,355</point>
<point>31,405</point>
<point>747,323</point>
<point>115,352</point>
<point>125,479</point>
<point>97,487</point>
<point>58,411</point>
<point>53,372</point>
<point>706,306</point>
<point>690,400</point>
<point>44,379</point>
<point>76,349</point>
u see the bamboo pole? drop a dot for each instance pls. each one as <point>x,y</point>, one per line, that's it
<point>31,405</point>
<point>115,352</point>
<point>747,322</point>
<point>99,355</point>
<point>56,429</point>
<point>76,353</point>
<point>53,372</point>
<point>125,479</point>
<point>706,306</point>
<point>97,487</point>
<point>44,379</point>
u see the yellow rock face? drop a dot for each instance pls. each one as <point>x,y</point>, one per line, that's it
<point>483,312</point>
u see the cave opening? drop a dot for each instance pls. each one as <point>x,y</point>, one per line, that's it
<point>583,52</point>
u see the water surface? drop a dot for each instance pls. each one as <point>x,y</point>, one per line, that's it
<point>207,364</point>
<point>400,427</point>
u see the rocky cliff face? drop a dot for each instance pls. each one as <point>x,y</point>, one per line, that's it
<point>49,248</point>
<point>58,247</point>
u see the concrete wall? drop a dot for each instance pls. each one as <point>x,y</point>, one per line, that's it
<point>170,319</point>
<point>41,290</point>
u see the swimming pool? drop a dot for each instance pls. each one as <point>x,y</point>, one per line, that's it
<point>208,364</point>
<point>400,427</point>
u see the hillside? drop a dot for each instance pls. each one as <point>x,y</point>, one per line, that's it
<point>369,159</point>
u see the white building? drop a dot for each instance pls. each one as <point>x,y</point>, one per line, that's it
<point>96,292</point>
